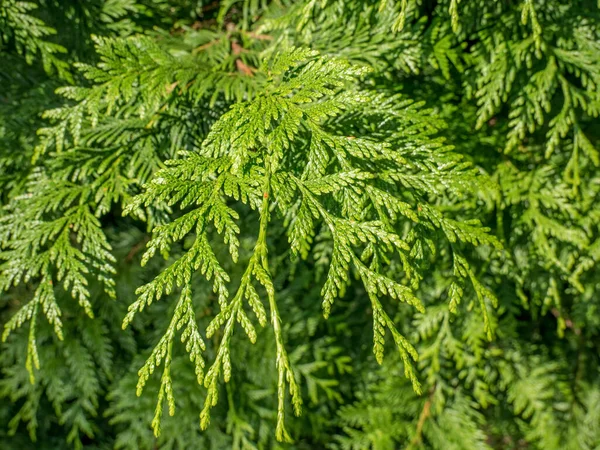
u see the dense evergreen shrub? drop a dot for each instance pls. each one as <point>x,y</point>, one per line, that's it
<point>300,224</point>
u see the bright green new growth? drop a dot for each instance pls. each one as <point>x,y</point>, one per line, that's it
<point>278,154</point>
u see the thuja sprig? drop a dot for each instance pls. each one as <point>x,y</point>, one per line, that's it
<point>279,152</point>
<point>183,317</point>
<point>258,268</point>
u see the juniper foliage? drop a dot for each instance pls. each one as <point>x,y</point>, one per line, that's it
<point>300,224</point>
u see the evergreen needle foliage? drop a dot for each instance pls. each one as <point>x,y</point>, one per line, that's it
<point>300,224</point>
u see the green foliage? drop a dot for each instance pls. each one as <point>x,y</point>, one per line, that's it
<point>286,189</point>
<point>28,36</point>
